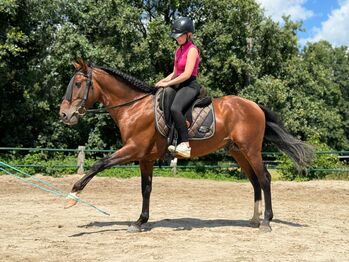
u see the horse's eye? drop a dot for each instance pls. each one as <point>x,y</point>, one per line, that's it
<point>78,84</point>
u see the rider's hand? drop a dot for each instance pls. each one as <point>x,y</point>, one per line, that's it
<point>161,83</point>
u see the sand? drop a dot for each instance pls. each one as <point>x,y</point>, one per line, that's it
<point>190,220</point>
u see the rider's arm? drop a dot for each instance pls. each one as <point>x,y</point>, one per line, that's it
<point>169,77</point>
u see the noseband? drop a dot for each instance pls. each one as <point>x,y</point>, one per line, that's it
<point>81,109</point>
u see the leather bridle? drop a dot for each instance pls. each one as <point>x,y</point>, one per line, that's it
<point>81,109</point>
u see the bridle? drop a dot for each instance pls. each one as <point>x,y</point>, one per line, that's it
<point>81,109</point>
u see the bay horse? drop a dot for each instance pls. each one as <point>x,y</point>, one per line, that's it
<point>130,103</point>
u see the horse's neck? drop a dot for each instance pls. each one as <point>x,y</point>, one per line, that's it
<point>114,91</point>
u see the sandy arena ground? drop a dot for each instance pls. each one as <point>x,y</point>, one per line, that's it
<point>191,220</point>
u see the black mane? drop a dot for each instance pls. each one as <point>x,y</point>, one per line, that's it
<point>134,82</point>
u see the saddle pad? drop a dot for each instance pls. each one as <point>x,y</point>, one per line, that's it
<point>203,126</point>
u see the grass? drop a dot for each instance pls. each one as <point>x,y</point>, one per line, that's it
<point>50,167</point>
<point>221,175</point>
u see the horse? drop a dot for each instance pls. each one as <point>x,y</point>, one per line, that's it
<point>241,126</point>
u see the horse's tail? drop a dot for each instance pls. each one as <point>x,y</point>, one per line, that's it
<point>300,152</point>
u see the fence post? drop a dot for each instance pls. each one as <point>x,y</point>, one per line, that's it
<point>81,159</point>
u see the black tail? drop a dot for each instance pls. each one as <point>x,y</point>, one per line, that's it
<point>300,152</point>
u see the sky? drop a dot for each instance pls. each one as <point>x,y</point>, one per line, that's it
<point>322,19</point>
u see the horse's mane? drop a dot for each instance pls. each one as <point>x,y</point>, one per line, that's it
<point>134,82</point>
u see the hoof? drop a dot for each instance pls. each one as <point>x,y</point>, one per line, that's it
<point>265,227</point>
<point>254,223</point>
<point>134,229</point>
<point>71,200</point>
<point>70,203</point>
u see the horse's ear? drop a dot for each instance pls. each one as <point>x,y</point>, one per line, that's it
<point>79,64</point>
<point>83,66</point>
<point>76,65</point>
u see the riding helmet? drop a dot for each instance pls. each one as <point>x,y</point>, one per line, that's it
<point>181,26</point>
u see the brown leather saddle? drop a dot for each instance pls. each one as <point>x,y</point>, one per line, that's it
<point>200,116</point>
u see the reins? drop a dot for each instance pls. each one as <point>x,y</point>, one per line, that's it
<point>81,110</point>
<point>103,109</point>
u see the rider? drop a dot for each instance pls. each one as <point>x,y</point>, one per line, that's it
<point>183,80</point>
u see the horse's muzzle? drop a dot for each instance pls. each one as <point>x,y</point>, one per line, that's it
<point>69,117</point>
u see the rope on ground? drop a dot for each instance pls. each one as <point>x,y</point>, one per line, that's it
<point>51,188</point>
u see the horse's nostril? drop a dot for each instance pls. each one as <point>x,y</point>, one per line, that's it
<point>63,116</point>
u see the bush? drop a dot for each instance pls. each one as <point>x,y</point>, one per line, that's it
<point>320,168</point>
<point>43,163</point>
<point>57,164</point>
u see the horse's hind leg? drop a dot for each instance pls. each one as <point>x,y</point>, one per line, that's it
<point>255,159</point>
<point>248,171</point>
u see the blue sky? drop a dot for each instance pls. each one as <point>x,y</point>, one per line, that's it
<point>322,19</point>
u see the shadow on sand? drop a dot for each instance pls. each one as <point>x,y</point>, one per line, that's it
<point>177,224</point>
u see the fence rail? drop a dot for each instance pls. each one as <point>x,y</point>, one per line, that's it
<point>81,152</point>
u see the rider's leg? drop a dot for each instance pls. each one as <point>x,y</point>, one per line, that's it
<point>183,99</point>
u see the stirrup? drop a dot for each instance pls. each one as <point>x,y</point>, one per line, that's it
<point>171,148</point>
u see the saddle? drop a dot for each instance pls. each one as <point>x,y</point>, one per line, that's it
<point>200,117</point>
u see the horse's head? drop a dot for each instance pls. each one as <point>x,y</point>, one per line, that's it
<point>77,99</point>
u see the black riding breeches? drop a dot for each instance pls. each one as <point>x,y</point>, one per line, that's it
<point>186,93</point>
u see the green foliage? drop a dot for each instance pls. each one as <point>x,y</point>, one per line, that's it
<point>57,164</point>
<point>226,34</point>
<point>320,168</point>
<point>166,172</point>
<point>243,53</point>
<point>268,91</point>
<point>43,163</point>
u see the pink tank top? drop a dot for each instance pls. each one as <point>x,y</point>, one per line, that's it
<point>181,59</point>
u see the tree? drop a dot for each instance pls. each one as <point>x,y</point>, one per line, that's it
<point>243,52</point>
<point>14,50</point>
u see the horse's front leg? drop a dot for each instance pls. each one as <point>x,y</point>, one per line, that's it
<point>123,155</point>
<point>147,177</point>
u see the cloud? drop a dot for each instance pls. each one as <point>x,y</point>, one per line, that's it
<point>335,28</point>
<point>277,8</point>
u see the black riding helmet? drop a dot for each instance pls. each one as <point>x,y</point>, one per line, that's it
<point>182,26</point>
